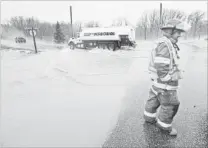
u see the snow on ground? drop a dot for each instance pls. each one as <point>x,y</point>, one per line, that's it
<point>67,97</point>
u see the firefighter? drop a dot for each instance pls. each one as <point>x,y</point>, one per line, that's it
<point>165,74</point>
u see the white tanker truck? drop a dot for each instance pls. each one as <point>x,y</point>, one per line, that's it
<point>111,37</point>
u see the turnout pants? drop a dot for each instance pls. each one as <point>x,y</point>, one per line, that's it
<point>168,102</point>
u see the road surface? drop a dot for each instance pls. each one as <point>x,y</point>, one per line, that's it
<point>190,121</point>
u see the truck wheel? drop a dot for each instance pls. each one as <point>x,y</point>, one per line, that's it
<point>112,46</point>
<point>99,46</point>
<point>119,44</point>
<point>71,45</point>
<point>84,46</point>
<point>103,46</point>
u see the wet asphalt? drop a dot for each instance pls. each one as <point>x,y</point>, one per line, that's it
<point>191,120</point>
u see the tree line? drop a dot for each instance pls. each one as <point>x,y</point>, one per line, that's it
<point>148,25</point>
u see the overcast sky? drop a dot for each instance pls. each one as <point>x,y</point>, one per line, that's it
<point>103,11</point>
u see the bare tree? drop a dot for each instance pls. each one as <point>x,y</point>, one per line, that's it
<point>145,24</point>
<point>18,22</point>
<point>121,21</point>
<point>154,20</point>
<point>78,26</point>
<point>195,18</point>
<point>44,30</point>
<point>92,24</point>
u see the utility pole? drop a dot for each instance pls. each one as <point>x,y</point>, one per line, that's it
<point>161,22</point>
<point>71,21</point>
<point>34,40</point>
<point>161,14</point>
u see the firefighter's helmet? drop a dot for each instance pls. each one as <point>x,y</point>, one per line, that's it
<point>176,24</point>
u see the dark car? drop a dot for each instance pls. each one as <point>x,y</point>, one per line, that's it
<point>20,40</point>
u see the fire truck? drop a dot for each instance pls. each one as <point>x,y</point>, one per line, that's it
<point>111,38</point>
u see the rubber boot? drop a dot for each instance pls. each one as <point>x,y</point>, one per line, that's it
<point>171,131</point>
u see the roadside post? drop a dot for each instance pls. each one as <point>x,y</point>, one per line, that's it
<point>33,32</point>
